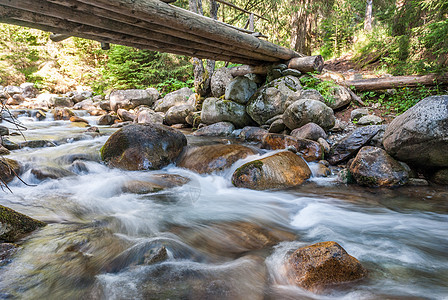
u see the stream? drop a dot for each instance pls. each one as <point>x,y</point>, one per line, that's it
<point>221,242</point>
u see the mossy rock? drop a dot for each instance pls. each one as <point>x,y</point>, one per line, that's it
<point>14,225</point>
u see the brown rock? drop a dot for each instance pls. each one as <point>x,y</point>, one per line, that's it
<point>63,113</point>
<point>323,265</point>
<point>8,169</point>
<point>281,170</point>
<point>310,150</point>
<point>252,134</point>
<point>212,158</point>
<point>78,119</point>
<point>107,120</point>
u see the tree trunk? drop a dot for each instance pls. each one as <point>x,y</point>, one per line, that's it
<point>301,26</point>
<point>368,18</point>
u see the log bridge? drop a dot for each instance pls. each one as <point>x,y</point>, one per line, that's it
<point>154,25</point>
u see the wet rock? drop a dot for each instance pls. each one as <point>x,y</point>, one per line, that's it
<point>179,97</point>
<point>4,151</point>
<point>62,114</point>
<point>143,147</point>
<point>43,173</point>
<point>213,158</point>
<point>356,114</point>
<point>119,124</point>
<point>240,89</point>
<point>125,115</point>
<point>40,115</point>
<point>306,111</point>
<point>418,182</point>
<point>93,129</point>
<point>4,130</point>
<point>36,144</point>
<point>440,177</point>
<point>320,170</point>
<point>19,98</point>
<point>374,167</point>
<point>9,145</point>
<point>349,146</point>
<point>7,250</point>
<point>14,225</point>
<point>277,126</point>
<point>340,97</point>
<point>28,90</point>
<point>419,136</point>
<point>217,129</point>
<point>78,167</point>
<point>232,238</point>
<point>271,100</point>
<point>105,105</point>
<point>216,110</point>
<point>61,102</point>
<point>8,169</point>
<point>148,116</point>
<point>178,114</point>
<point>78,119</point>
<point>85,105</point>
<point>219,81</point>
<point>281,170</point>
<point>252,134</point>
<point>141,187</point>
<point>345,176</point>
<point>324,144</point>
<point>310,131</point>
<point>107,120</point>
<point>129,99</point>
<point>323,265</point>
<point>370,120</point>
<point>310,150</point>
<point>12,102</point>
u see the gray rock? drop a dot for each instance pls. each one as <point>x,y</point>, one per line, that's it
<point>29,91</point>
<point>306,111</point>
<point>129,99</point>
<point>311,94</point>
<point>310,131</point>
<point>370,120</point>
<point>358,113</point>
<point>143,147</point>
<point>219,81</point>
<point>325,146</point>
<point>107,119</point>
<point>340,97</point>
<point>217,129</point>
<point>86,104</point>
<point>420,135</point>
<point>178,114</point>
<point>12,90</point>
<point>374,167</point>
<point>252,134</point>
<point>125,115</point>
<point>153,93</point>
<point>291,72</point>
<point>339,126</point>
<point>240,89</point>
<point>277,126</point>
<point>272,99</point>
<point>61,102</point>
<point>44,100</point>
<point>179,97</point>
<point>148,116</point>
<point>350,145</point>
<point>105,105</point>
<point>216,110</point>
<point>4,130</point>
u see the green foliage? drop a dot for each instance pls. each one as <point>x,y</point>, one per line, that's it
<point>132,68</point>
<point>324,87</point>
<point>400,100</point>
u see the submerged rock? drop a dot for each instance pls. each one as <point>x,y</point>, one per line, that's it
<point>420,135</point>
<point>217,129</point>
<point>324,265</point>
<point>281,170</point>
<point>143,147</point>
<point>7,250</point>
<point>14,225</point>
<point>310,150</point>
<point>374,167</point>
<point>154,183</point>
<point>213,158</point>
<point>50,173</point>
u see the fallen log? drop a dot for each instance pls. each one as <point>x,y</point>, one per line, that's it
<point>375,84</point>
<point>307,63</point>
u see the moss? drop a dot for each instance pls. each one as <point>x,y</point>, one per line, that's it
<point>16,224</point>
<point>256,164</point>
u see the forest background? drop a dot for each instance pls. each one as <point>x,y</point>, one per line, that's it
<point>397,37</point>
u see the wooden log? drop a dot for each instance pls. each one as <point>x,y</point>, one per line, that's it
<point>176,18</point>
<point>159,40</point>
<point>374,84</point>
<point>85,31</point>
<point>307,64</point>
<point>245,69</point>
<point>128,18</point>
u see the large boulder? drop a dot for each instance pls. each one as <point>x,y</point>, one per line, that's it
<point>128,99</point>
<point>213,158</point>
<point>308,149</point>
<point>349,146</point>
<point>216,110</point>
<point>240,90</point>
<point>420,135</point>
<point>179,97</point>
<point>14,225</point>
<point>143,147</point>
<point>372,166</point>
<point>272,99</point>
<point>323,265</point>
<point>217,129</point>
<point>219,81</point>
<point>281,170</point>
<point>306,111</point>
<point>178,114</point>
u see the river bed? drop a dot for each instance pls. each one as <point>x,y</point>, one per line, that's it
<point>221,242</point>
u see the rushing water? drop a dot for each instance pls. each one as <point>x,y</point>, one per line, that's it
<point>221,242</point>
